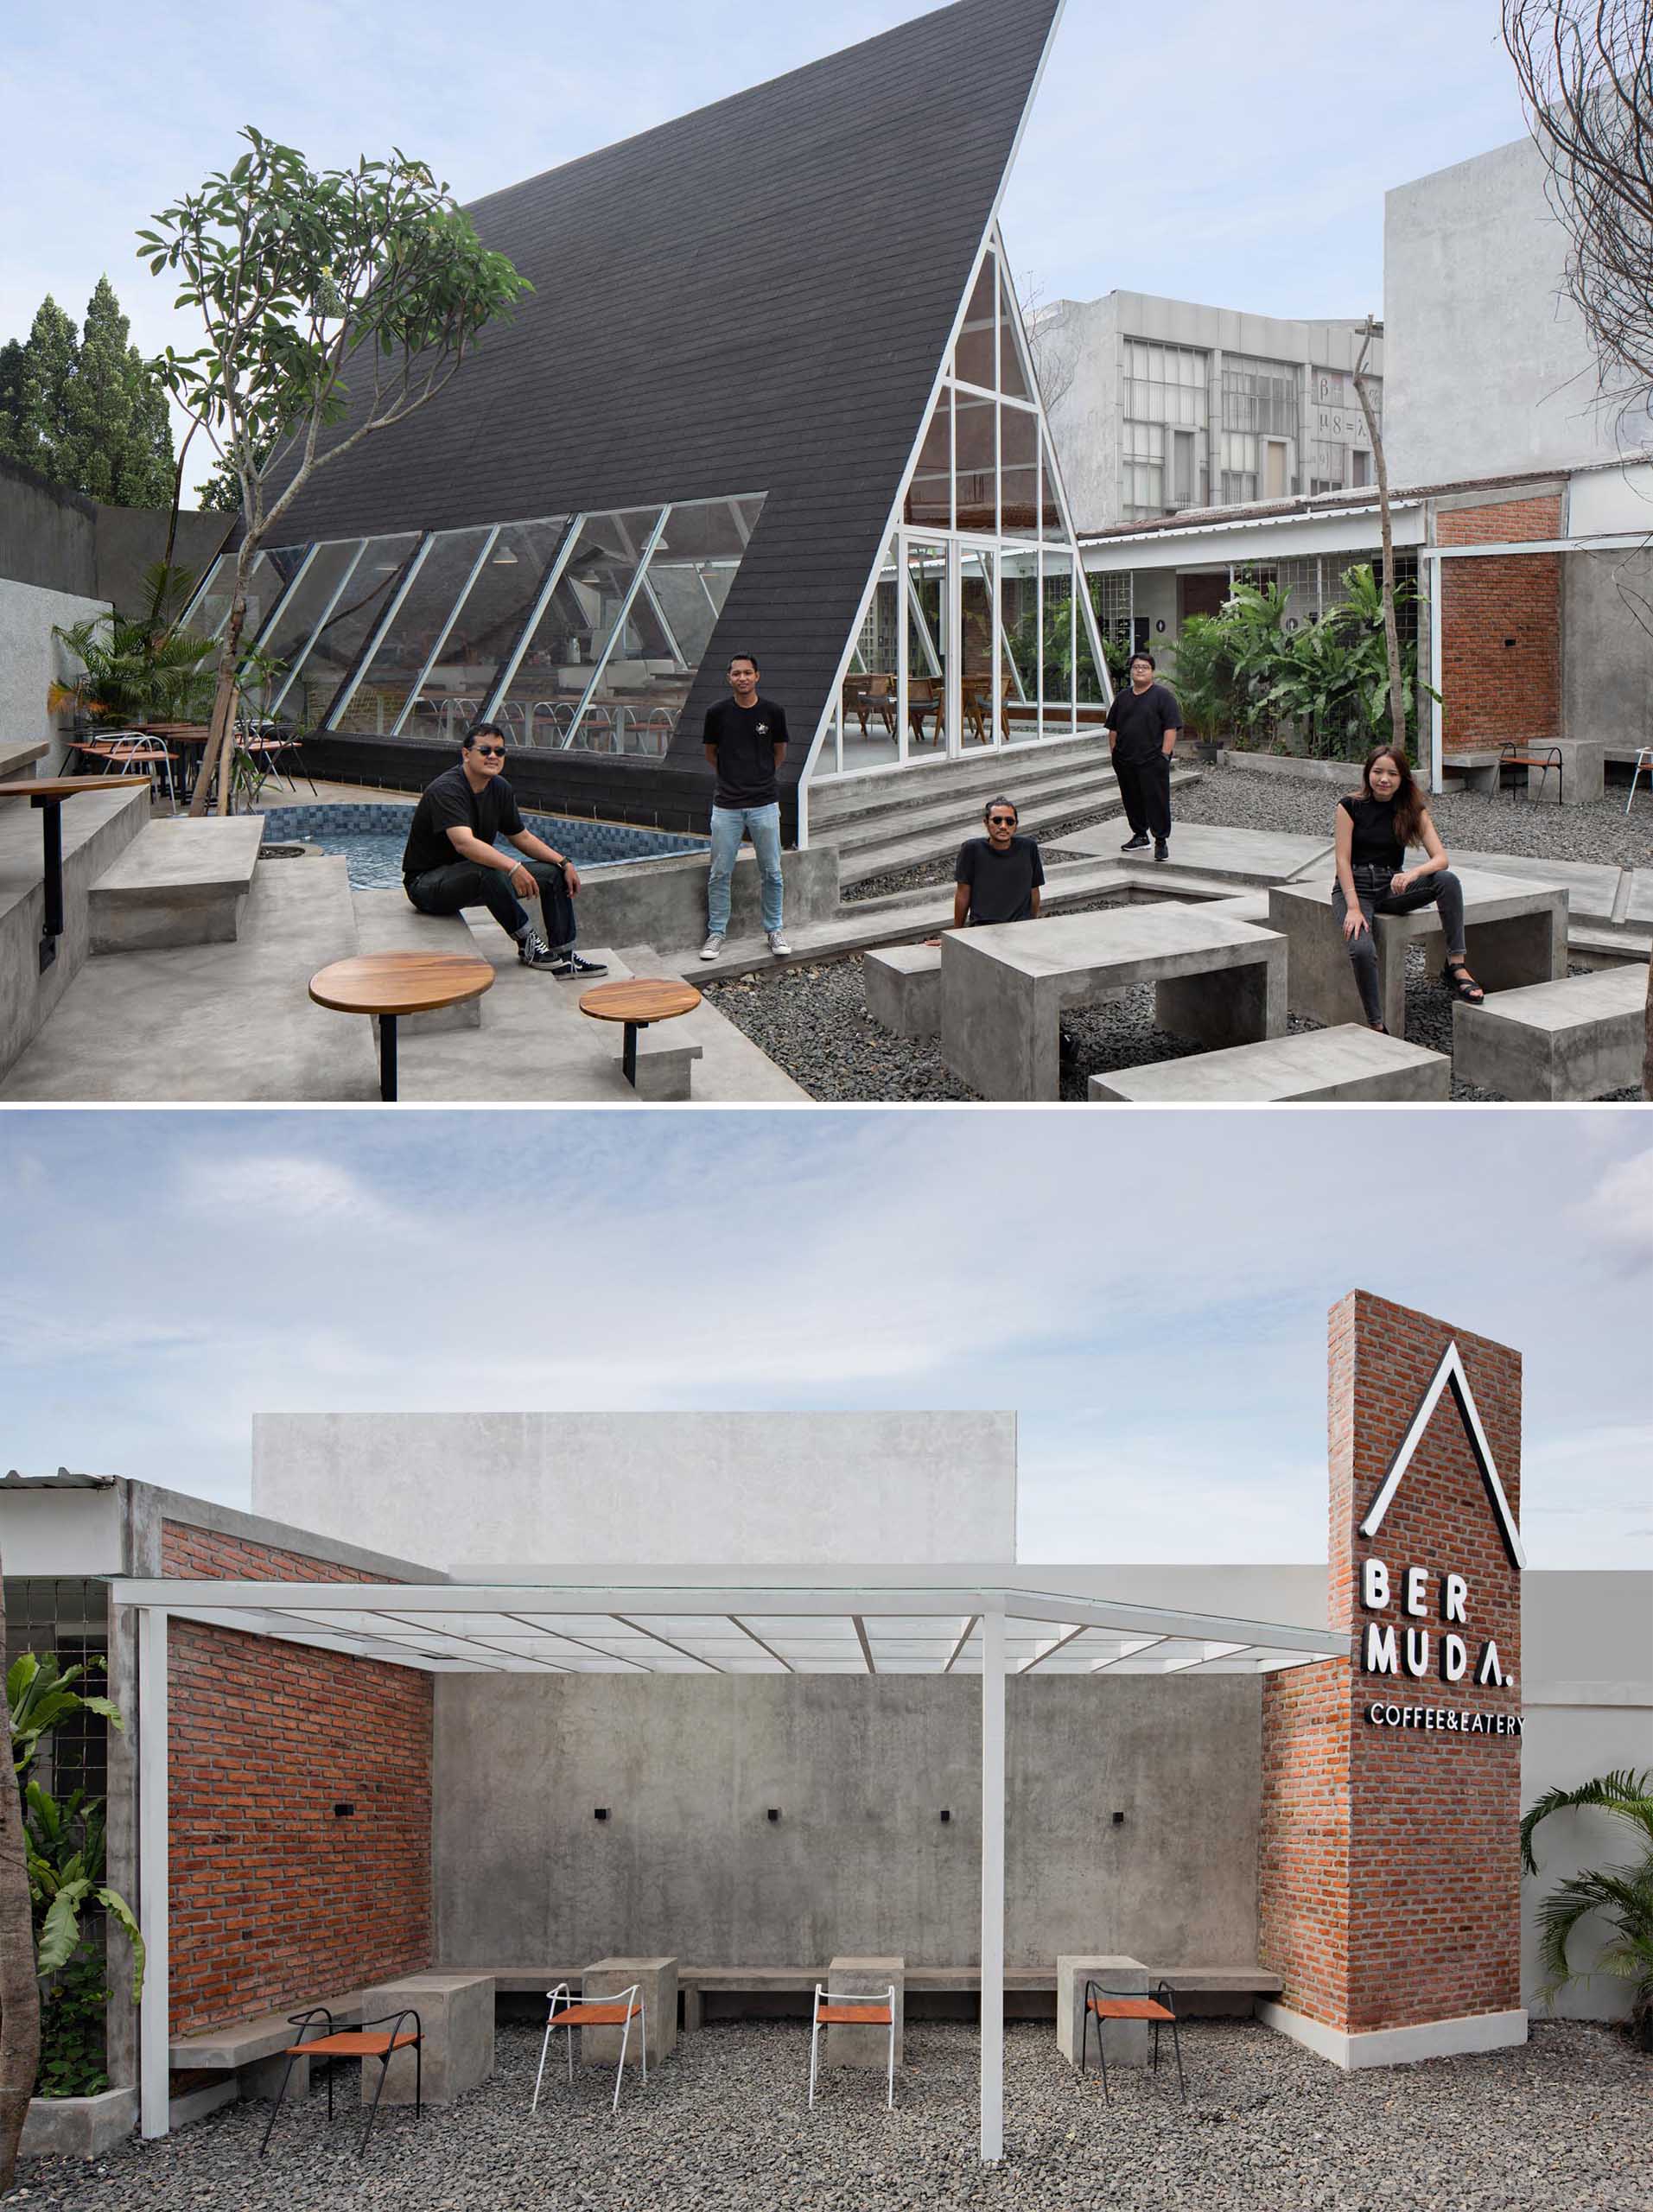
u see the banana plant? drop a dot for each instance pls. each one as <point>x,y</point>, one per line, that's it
<point>42,1695</point>
<point>1623,1896</point>
<point>65,1849</point>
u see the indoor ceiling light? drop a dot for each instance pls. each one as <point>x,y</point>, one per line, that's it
<point>504,558</point>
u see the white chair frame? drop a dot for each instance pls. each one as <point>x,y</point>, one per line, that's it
<point>1644,752</point>
<point>637,2007</point>
<point>865,1997</point>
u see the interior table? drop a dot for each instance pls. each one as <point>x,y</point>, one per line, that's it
<point>637,1001</point>
<point>48,793</point>
<point>388,984</point>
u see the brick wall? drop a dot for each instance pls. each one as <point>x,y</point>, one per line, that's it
<point>274,1900</point>
<point>1389,1884</point>
<point>1501,626</point>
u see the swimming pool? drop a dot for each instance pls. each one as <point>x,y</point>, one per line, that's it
<point>372,837</point>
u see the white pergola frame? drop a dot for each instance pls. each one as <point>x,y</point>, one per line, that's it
<point>422,1625</point>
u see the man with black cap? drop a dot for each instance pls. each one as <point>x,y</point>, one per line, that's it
<point>1143,725</point>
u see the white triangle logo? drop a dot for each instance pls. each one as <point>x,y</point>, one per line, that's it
<point>1450,1374</point>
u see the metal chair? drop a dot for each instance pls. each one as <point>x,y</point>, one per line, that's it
<point>1101,2004</point>
<point>1643,753</point>
<point>354,2043</point>
<point>853,2009</point>
<point>616,2011</point>
<point>1529,757</point>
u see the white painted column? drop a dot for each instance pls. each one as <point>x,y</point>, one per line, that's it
<point>992,1886</point>
<point>1431,567</point>
<point>153,2034</point>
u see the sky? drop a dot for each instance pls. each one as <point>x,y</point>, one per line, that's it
<point>1148,1292</point>
<point>1233,152</point>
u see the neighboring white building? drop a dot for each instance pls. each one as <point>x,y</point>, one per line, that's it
<point>1161,405</point>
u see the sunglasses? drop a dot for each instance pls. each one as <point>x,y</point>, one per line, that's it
<point>1001,821</point>
<point>491,751</point>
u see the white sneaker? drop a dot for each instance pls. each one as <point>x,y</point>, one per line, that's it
<point>713,945</point>
<point>776,940</point>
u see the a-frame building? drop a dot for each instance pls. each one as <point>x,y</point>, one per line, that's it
<point>770,393</point>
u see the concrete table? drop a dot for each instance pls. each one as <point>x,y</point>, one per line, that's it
<point>1004,989</point>
<point>658,1988</point>
<point>866,2047</point>
<point>1515,933</point>
<point>47,793</point>
<point>1120,1976</point>
<point>456,2021</point>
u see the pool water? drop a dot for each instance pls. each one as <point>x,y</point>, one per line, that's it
<point>372,837</point>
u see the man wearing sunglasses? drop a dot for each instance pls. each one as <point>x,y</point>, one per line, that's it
<point>997,877</point>
<point>452,861</point>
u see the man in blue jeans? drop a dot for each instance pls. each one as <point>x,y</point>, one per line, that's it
<point>746,742</point>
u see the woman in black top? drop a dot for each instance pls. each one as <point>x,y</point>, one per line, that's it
<point>1375,827</point>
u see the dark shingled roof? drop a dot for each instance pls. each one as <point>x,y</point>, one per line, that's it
<point>753,298</point>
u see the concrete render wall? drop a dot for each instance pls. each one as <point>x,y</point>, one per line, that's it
<point>31,660</point>
<point>861,1768</point>
<point>1608,668</point>
<point>1489,368</point>
<point>504,1491</point>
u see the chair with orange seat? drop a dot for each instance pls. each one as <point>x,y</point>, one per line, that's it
<point>616,2011</point>
<point>853,2009</point>
<point>1102,2003</point>
<point>380,2039</point>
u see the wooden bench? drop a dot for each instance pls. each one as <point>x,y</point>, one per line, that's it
<point>1577,1038</point>
<point>1349,1062</point>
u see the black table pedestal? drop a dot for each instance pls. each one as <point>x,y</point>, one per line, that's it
<point>387,1058</point>
<point>52,885</point>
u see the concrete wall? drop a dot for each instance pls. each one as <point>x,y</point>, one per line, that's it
<point>1607,664</point>
<point>47,536</point>
<point>861,1770</point>
<point>1588,1706</point>
<point>31,660</point>
<point>1490,371</point>
<point>589,1489</point>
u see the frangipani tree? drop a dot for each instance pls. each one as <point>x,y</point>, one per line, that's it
<point>331,299</point>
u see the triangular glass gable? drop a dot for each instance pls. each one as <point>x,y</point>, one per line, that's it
<point>971,634</point>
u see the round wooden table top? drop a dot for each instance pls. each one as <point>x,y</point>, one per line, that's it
<point>641,998</point>
<point>400,982</point>
<point>64,786</point>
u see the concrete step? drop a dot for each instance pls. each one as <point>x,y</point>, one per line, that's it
<point>178,883</point>
<point>836,802</point>
<point>1038,819</point>
<point>386,923</point>
<point>1072,791</point>
<point>1316,1065</point>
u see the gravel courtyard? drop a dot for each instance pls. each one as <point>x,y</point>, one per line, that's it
<point>1561,2124</point>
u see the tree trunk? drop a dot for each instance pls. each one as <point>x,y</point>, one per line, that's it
<point>216,752</point>
<point>19,1990</point>
<point>1391,632</point>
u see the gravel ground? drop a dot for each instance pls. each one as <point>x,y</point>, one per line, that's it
<point>813,1020</point>
<point>1559,2124</point>
<point>1601,832</point>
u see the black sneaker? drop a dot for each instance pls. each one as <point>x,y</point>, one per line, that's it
<point>532,951</point>
<point>1134,844</point>
<point>571,963</point>
<point>1161,849</point>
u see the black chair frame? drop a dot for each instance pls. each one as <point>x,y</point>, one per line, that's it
<point>1162,1994</point>
<point>1528,757</point>
<point>303,2021</point>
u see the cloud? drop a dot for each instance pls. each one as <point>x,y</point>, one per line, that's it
<point>1619,1210</point>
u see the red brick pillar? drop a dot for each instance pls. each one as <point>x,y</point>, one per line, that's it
<point>1390,1881</point>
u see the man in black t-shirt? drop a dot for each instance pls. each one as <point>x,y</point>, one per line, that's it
<point>997,877</point>
<point>451,861</point>
<point>1143,725</point>
<point>746,742</point>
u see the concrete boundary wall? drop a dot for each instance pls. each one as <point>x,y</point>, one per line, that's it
<point>860,1769</point>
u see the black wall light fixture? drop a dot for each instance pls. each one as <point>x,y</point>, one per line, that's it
<point>946,1814</point>
<point>1119,1820</point>
<point>774,1812</point>
<point>600,1813</point>
<point>343,1810</point>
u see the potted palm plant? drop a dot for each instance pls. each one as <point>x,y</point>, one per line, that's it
<point>1622,1896</point>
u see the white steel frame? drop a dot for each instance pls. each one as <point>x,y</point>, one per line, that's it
<point>422,1625</point>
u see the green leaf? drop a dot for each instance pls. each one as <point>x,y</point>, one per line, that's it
<point>60,1936</point>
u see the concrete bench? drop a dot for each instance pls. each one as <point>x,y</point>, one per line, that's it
<point>1350,1062</point>
<point>664,1063</point>
<point>1003,989</point>
<point>1515,934</point>
<point>1577,1038</point>
<point>178,883</point>
<point>386,923</point>
<point>903,986</point>
<point>250,2052</point>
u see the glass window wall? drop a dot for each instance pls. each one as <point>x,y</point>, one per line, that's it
<point>300,616</point>
<point>926,646</point>
<point>337,645</point>
<point>543,684</point>
<point>394,691</point>
<point>975,355</point>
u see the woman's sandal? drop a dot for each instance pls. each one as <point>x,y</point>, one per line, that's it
<point>1456,977</point>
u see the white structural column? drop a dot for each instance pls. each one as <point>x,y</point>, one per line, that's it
<point>1430,569</point>
<point>155,2006</point>
<point>992,1881</point>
